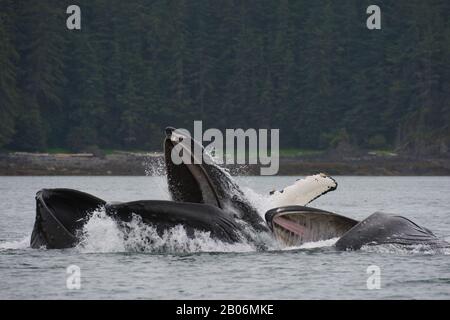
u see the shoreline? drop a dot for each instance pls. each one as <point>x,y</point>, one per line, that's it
<point>139,164</point>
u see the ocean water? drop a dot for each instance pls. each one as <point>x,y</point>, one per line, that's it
<point>175,267</point>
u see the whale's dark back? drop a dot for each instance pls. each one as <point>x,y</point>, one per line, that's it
<point>380,228</point>
<point>164,215</point>
<point>62,213</point>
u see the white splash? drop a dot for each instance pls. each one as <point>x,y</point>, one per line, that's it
<point>103,234</point>
<point>15,245</point>
<point>319,244</point>
<point>155,166</point>
<point>405,249</point>
<point>315,244</point>
<point>262,203</point>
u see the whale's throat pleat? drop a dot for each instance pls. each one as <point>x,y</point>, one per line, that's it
<point>208,194</point>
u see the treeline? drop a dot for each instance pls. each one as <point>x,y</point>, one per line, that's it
<point>310,68</point>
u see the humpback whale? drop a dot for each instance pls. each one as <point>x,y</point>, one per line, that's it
<point>295,225</point>
<point>203,181</point>
<point>206,198</point>
<point>62,213</point>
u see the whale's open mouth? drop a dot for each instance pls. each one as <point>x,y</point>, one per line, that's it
<point>295,225</point>
<point>59,214</point>
<point>203,181</point>
<point>188,182</point>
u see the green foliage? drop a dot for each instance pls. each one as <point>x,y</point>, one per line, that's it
<point>332,140</point>
<point>31,134</point>
<point>377,141</point>
<point>8,75</point>
<point>299,152</point>
<point>312,69</point>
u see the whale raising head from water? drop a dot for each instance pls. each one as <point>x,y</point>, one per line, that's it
<point>203,181</point>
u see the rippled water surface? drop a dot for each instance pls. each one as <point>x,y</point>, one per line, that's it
<point>175,267</point>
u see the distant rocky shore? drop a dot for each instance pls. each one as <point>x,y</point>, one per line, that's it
<point>40,164</point>
<point>138,164</point>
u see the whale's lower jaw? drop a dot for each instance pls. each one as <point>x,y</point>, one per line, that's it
<point>60,213</point>
<point>296,225</point>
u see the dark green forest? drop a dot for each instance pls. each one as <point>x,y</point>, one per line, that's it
<point>310,68</point>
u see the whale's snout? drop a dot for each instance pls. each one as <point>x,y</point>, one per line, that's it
<point>169,131</point>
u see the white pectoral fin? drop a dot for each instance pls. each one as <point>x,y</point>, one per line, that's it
<point>303,191</point>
